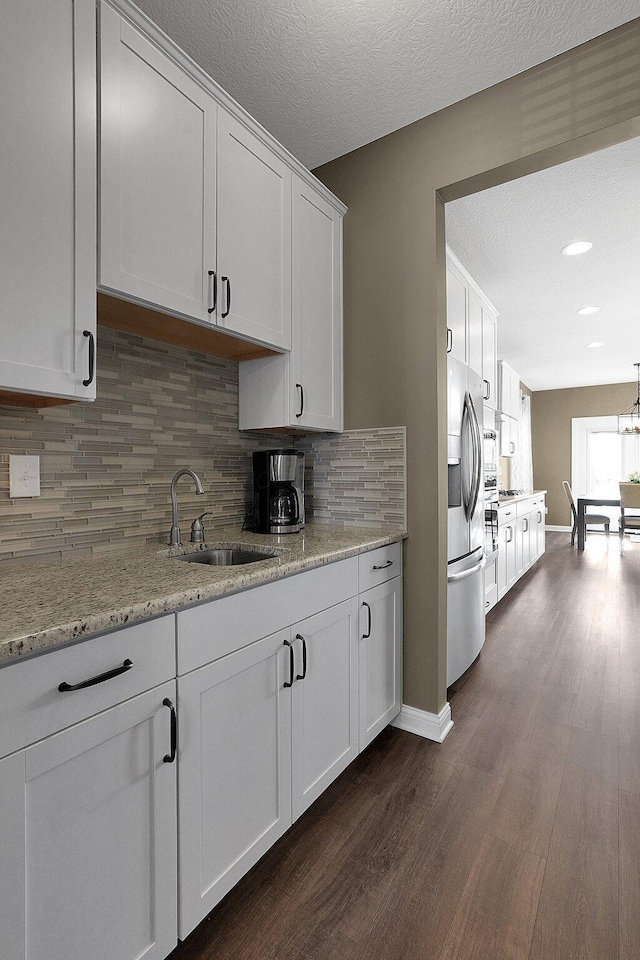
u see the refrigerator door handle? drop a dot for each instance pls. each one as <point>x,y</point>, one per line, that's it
<point>466,473</point>
<point>477,457</point>
<point>467,573</point>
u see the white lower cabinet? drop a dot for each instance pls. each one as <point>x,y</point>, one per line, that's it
<point>521,540</point>
<point>88,838</point>
<point>324,701</point>
<point>235,770</point>
<point>95,831</point>
<point>380,658</point>
<point>490,585</point>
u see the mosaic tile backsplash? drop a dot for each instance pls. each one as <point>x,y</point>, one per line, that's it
<point>357,478</point>
<point>106,467</point>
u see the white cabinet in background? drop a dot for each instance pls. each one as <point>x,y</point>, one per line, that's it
<point>521,539</point>
<point>490,584</point>
<point>490,358</point>
<point>235,769</point>
<point>456,312</point>
<point>509,436</point>
<point>471,326</point>
<point>48,224</point>
<point>509,391</point>
<point>380,658</point>
<point>303,389</point>
<point>157,175</point>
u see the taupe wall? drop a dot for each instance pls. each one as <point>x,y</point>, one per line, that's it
<point>395,316</point>
<point>551,415</point>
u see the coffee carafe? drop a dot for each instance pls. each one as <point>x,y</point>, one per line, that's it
<point>278,500</point>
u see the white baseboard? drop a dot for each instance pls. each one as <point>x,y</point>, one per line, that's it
<point>431,726</point>
<point>556,529</point>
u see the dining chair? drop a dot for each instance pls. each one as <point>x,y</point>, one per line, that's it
<point>629,500</point>
<point>592,518</point>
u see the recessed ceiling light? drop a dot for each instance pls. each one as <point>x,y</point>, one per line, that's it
<point>596,343</point>
<point>585,311</point>
<point>573,249</point>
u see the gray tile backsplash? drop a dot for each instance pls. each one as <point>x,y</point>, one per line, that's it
<point>106,466</point>
<point>357,478</point>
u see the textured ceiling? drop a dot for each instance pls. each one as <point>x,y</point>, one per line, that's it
<point>327,76</point>
<point>510,239</point>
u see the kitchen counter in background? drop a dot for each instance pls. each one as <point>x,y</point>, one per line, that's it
<point>521,496</point>
<point>46,605</point>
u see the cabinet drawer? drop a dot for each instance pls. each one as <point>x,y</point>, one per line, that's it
<point>32,706</point>
<point>219,627</point>
<point>524,507</point>
<point>506,514</point>
<point>379,565</point>
<point>490,576</point>
<point>491,598</point>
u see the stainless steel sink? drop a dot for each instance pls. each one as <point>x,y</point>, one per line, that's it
<point>226,557</point>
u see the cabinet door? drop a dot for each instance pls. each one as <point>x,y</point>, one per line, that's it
<point>88,839</point>
<point>315,387</point>
<point>474,333</point>
<point>380,658</point>
<point>489,359</point>
<point>158,177</point>
<point>456,313</point>
<point>324,700</point>
<point>505,534</point>
<point>254,237</point>
<point>235,770</point>
<point>48,223</point>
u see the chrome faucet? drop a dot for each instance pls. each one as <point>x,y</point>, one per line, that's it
<point>174,536</point>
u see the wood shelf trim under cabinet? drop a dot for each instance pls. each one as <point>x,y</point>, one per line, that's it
<point>142,321</point>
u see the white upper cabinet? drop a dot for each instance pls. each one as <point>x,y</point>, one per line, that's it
<point>47,193</point>
<point>315,390</point>
<point>510,395</point>
<point>303,390</point>
<point>471,326</point>
<point>489,359</point>
<point>456,313</point>
<point>254,237</point>
<point>158,175</point>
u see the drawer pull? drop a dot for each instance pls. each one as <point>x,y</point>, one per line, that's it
<point>289,682</point>
<point>67,687</point>
<point>170,757</point>
<point>383,566</point>
<point>365,636</point>
<point>301,676</point>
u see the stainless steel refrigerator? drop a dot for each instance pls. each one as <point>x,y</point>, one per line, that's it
<point>465,555</point>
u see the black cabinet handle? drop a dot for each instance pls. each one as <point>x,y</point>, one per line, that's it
<point>487,395</point>
<point>65,687</point>
<point>449,339</point>
<point>170,757</point>
<point>365,636</point>
<point>302,675</point>
<point>301,389</point>
<point>92,356</point>
<point>228,282</point>
<point>383,566</point>
<point>291,664</point>
<point>214,290</point>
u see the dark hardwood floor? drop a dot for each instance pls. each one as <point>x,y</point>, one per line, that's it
<point>517,838</point>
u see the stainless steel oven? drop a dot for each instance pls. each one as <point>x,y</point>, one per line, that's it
<point>490,466</point>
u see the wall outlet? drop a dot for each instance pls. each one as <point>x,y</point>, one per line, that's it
<point>24,476</point>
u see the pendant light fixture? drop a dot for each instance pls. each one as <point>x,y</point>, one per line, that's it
<point>629,421</point>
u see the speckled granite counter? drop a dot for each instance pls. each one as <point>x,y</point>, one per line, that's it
<point>521,496</point>
<point>45,605</point>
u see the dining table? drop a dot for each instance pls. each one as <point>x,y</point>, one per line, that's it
<point>583,503</point>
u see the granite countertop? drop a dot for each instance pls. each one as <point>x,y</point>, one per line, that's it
<point>520,496</point>
<point>44,606</point>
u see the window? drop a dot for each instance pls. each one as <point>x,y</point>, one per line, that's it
<point>601,458</point>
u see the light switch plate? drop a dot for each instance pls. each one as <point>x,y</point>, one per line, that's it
<point>24,476</point>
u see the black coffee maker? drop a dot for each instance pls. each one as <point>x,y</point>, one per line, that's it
<point>278,491</point>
